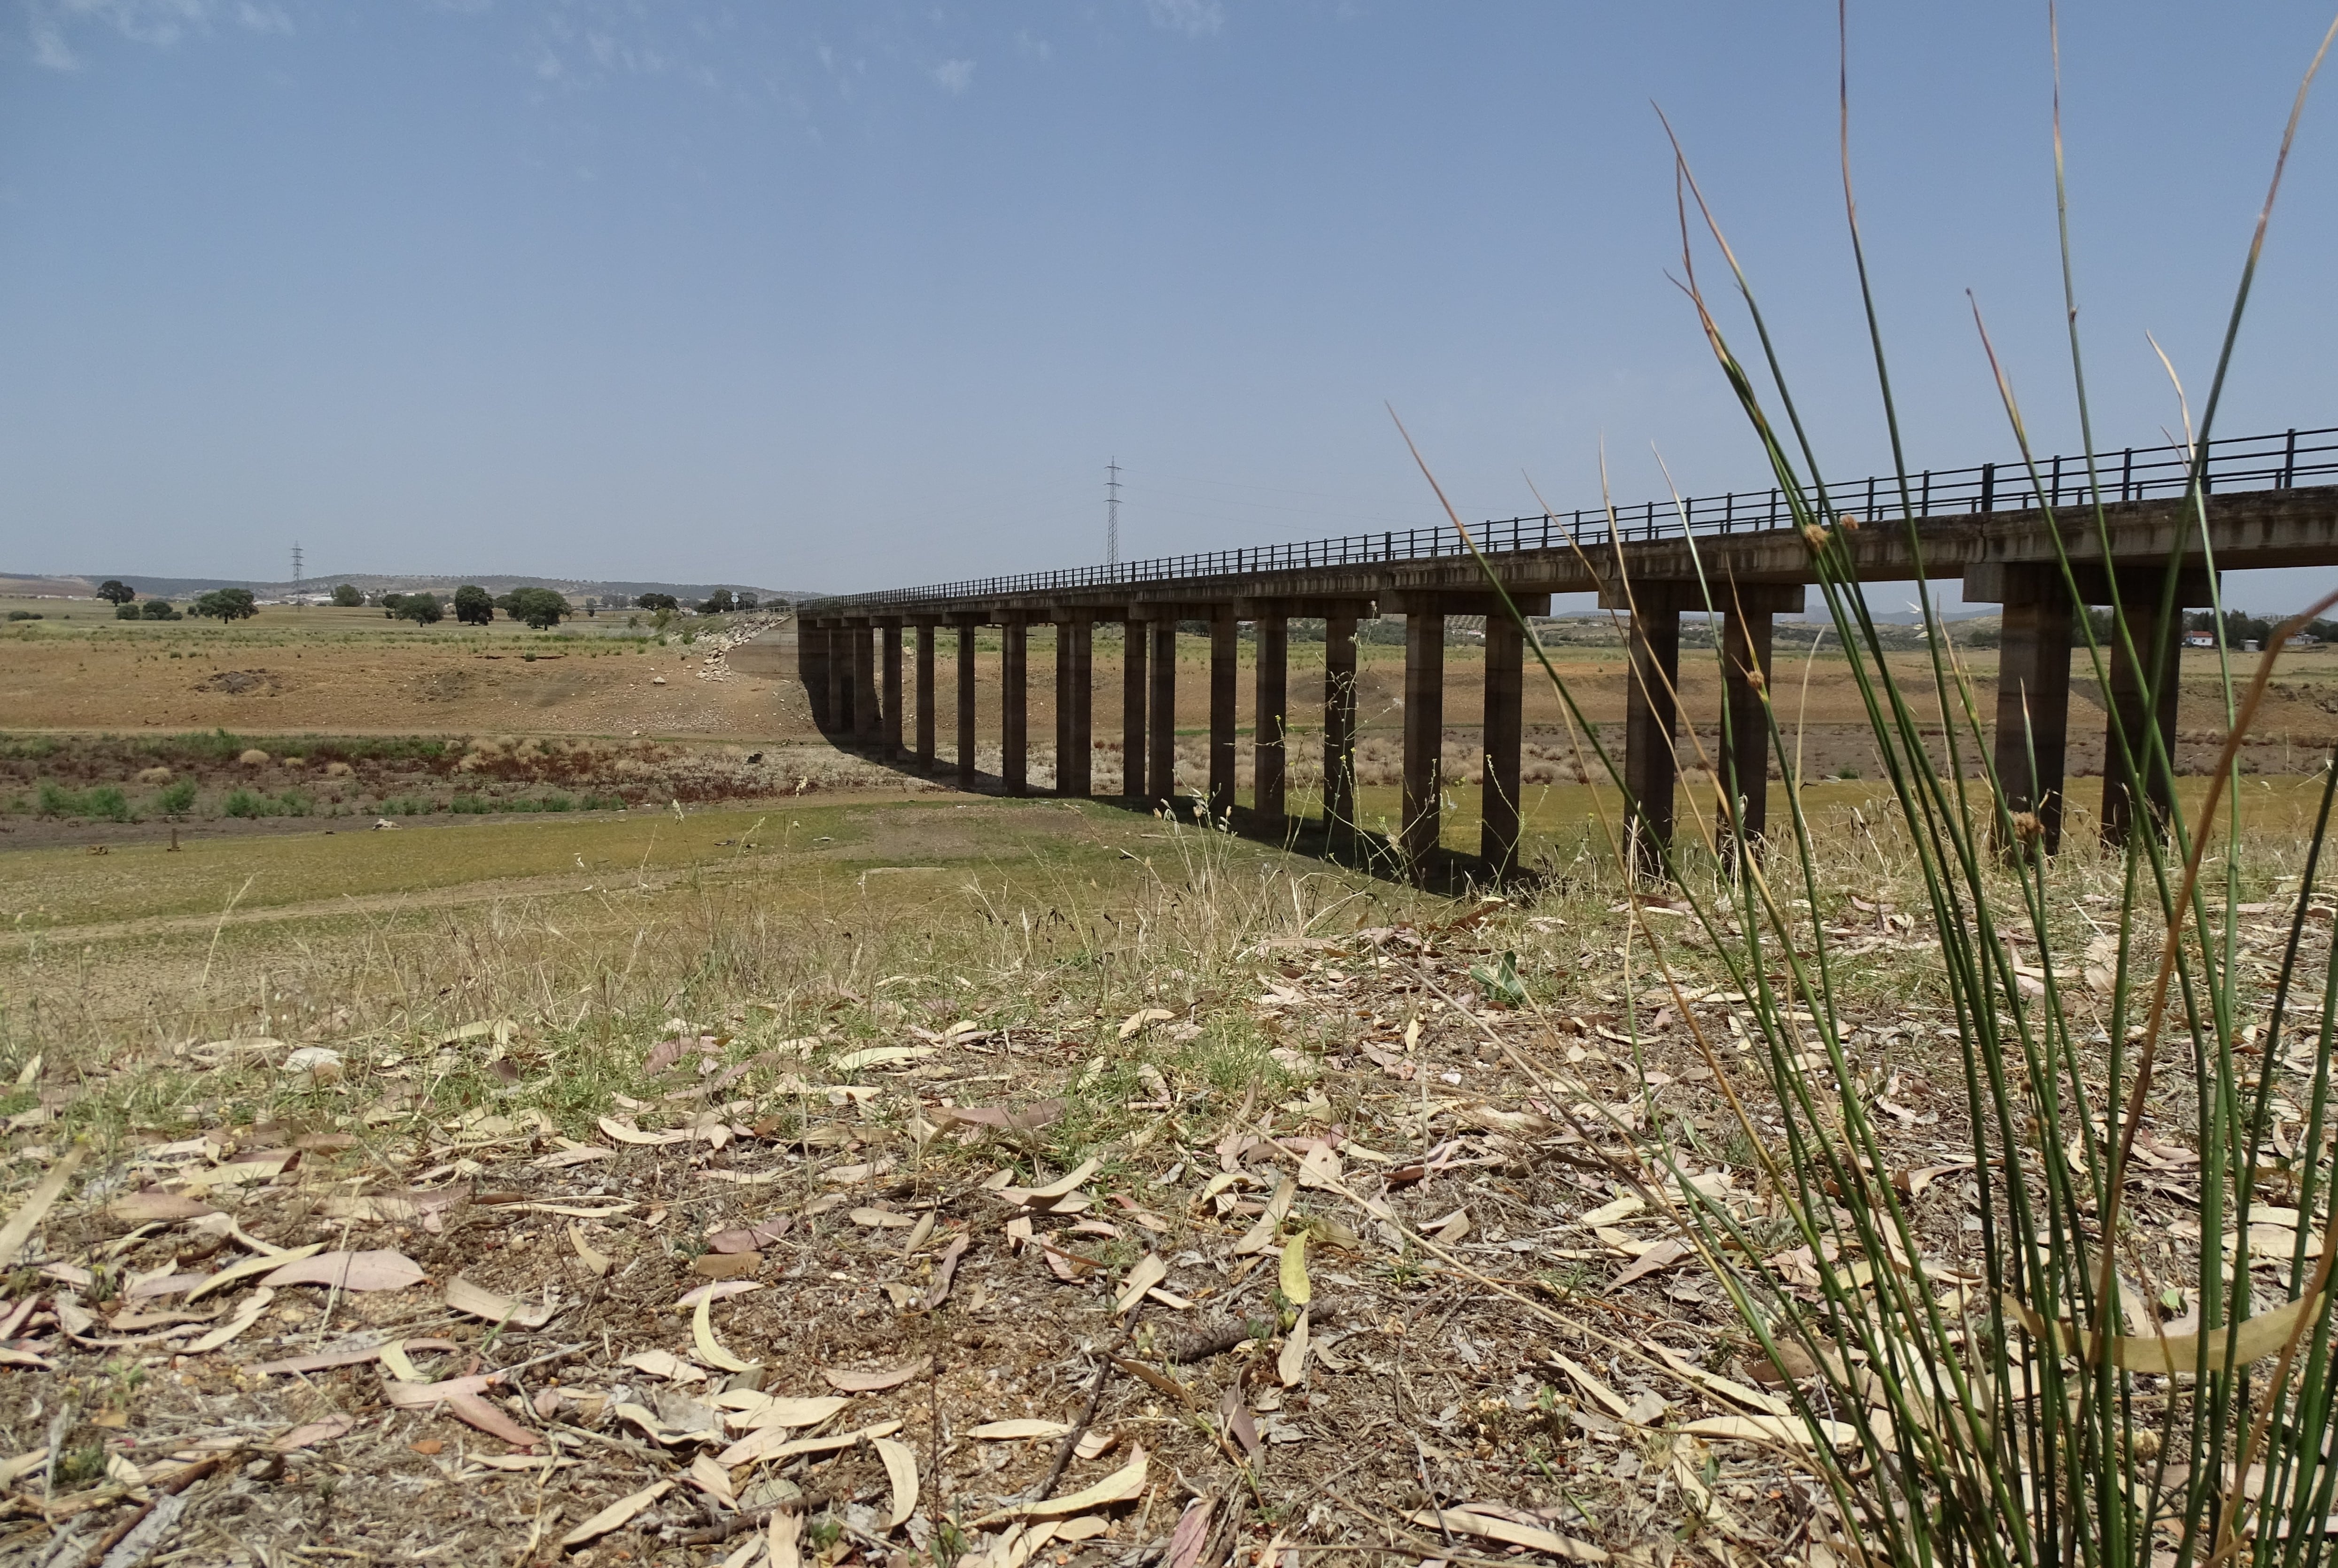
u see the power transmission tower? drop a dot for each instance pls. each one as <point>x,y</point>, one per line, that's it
<point>1111,513</point>
<point>297,576</point>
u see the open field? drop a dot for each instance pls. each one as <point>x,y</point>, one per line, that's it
<point>806,1030</point>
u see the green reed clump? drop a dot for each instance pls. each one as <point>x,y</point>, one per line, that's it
<point>2060,1385</point>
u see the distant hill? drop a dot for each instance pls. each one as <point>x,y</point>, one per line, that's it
<point>85,586</point>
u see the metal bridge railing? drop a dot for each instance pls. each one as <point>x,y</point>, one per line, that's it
<point>2278,461</point>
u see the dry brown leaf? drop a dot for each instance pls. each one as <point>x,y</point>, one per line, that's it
<point>1138,1020</point>
<point>1119,1486</point>
<point>786,1530</point>
<point>773,1444</point>
<point>1153,1377</point>
<point>714,1480</point>
<point>1608,1398</point>
<point>726,1265</point>
<point>247,1267</point>
<point>1148,1271</point>
<point>1487,1527</point>
<point>313,1433</point>
<point>1655,1259</point>
<point>1782,1430</point>
<point>598,1263</point>
<point>626,1133</point>
<point>462,1397</point>
<point>1261,1236</point>
<point>1291,1365</point>
<point>665,1364</point>
<point>245,1317</point>
<point>1022,1427</point>
<point>379,1269</point>
<point>702,1334</point>
<point>877,1219</point>
<point>901,1470</point>
<point>153,1206</point>
<point>616,1514</point>
<point>752,1238</point>
<point>857,1381</point>
<point>479,1301</point>
<point>945,1271</point>
<point>43,1196</point>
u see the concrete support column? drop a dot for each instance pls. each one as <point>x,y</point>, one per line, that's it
<point>1224,645</point>
<point>1745,638</point>
<point>925,696</point>
<point>2033,711</point>
<point>1268,751</point>
<point>1074,683</point>
<point>837,666</point>
<point>1339,729</point>
<point>1650,709</point>
<point>1161,751</point>
<point>889,661</point>
<point>1132,709</point>
<point>1424,736</point>
<point>1014,705</point>
<point>866,715</point>
<point>1497,838</point>
<point>2142,703</point>
<point>966,769</point>
<point>812,666</point>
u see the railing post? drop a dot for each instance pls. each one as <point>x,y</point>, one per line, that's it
<point>2127,474</point>
<point>2289,462</point>
<point>1925,508</point>
<point>1989,486</point>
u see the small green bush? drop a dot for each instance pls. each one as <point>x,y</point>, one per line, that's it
<point>244,803</point>
<point>175,799</point>
<point>102,803</point>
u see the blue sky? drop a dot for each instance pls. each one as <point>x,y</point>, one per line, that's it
<point>840,296</point>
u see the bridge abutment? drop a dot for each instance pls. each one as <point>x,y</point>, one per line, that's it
<point>1339,728</point>
<point>1651,712</point>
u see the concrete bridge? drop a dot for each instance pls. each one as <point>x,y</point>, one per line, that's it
<point>2273,501</point>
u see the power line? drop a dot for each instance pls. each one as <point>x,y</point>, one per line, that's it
<point>1111,513</point>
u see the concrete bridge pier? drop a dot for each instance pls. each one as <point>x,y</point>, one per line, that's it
<point>2033,687</point>
<point>1074,695</point>
<point>1748,618</point>
<point>1424,722</point>
<point>1269,753</point>
<point>1651,712</point>
<point>967,625</point>
<point>1224,684</point>
<point>1161,741</point>
<point>1423,817</point>
<point>1497,834</point>
<point>889,635</point>
<point>924,696</point>
<point>1340,727</point>
<point>1132,709</point>
<point>837,666</point>
<point>866,715</point>
<point>811,668</point>
<point>1015,702</point>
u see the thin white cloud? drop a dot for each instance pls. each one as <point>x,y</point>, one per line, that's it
<point>1032,48</point>
<point>52,24</point>
<point>1193,19</point>
<point>954,76</point>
